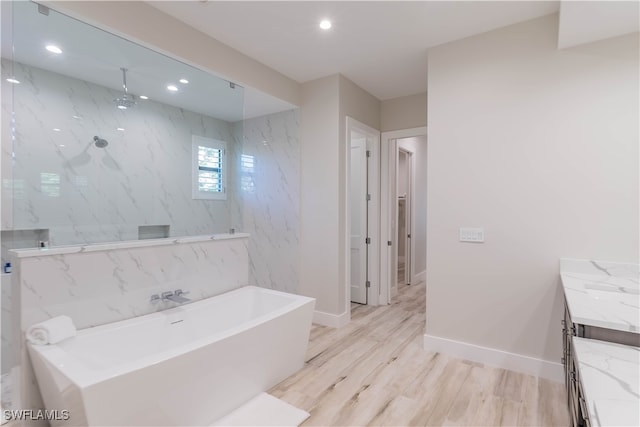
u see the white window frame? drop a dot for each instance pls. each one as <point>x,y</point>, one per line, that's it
<point>200,141</point>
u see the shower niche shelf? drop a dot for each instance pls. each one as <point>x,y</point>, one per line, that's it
<point>22,239</point>
<point>153,232</point>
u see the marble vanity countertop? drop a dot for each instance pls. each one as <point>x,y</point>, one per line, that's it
<point>96,247</point>
<point>610,377</point>
<point>602,294</point>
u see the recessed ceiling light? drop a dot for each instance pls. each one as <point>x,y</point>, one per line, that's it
<point>325,24</point>
<point>120,129</point>
<point>13,80</point>
<point>172,88</point>
<point>56,129</point>
<point>184,81</point>
<point>77,117</point>
<point>122,107</point>
<point>144,97</point>
<point>53,48</point>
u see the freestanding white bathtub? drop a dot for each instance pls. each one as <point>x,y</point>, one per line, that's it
<point>186,366</point>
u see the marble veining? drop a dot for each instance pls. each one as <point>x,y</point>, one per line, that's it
<point>267,204</point>
<point>143,176</point>
<point>600,268</point>
<point>83,194</point>
<point>602,294</point>
<point>6,302</point>
<point>610,374</point>
<point>99,284</point>
<point>71,249</point>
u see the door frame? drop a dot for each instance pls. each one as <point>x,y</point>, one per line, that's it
<point>388,161</point>
<point>373,264</point>
<point>409,217</point>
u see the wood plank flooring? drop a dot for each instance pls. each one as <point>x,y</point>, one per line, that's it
<point>375,372</point>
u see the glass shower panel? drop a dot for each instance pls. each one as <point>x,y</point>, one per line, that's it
<point>104,129</point>
<point>8,83</point>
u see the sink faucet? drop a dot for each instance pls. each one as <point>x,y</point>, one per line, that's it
<point>175,296</point>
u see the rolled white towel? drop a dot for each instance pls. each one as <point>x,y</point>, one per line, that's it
<point>51,331</point>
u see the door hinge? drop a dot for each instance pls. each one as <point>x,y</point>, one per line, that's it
<point>368,197</point>
<point>388,242</point>
<point>367,240</point>
<point>368,284</point>
<point>368,153</point>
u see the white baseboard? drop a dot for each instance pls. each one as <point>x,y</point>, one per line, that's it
<point>497,358</point>
<point>419,277</point>
<point>331,320</point>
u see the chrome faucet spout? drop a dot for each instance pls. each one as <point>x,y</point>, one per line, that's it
<point>176,296</point>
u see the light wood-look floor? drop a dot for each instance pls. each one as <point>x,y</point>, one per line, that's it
<point>374,371</point>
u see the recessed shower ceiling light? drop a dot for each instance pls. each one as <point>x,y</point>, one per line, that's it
<point>172,88</point>
<point>56,129</point>
<point>13,80</point>
<point>53,48</point>
<point>144,97</point>
<point>325,24</point>
<point>120,129</point>
<point>184,81</point>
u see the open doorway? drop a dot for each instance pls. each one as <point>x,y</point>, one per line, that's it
<point>403,214</point>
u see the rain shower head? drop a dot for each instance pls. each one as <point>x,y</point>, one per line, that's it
<point>124,102</point>
<point>100,142</point>
<point>127,101</point>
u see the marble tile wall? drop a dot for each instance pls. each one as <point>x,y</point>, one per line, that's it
<point>104,286</point>
<point>268,198</point>
<point>5,288</point>
<point>95,287</point>
<point>83,194</point>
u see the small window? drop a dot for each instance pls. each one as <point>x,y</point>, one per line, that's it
<point>209,168</point>
<point>247,166</point>
<point>50,184</point>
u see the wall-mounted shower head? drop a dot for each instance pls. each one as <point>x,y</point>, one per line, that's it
<point>100,142</point>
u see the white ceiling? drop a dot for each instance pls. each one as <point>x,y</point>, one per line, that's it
<point>96,56</point>
<point>381,46</point>
<point>587,21</point>
<point>378,45</point>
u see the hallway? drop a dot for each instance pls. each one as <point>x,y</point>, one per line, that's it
<point>374,372</point>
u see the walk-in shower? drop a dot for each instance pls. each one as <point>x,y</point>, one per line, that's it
<point>86,159</point>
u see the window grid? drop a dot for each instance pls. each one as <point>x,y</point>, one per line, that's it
<point>209,168</point>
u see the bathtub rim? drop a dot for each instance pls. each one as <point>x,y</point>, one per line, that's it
<point>83,376</point>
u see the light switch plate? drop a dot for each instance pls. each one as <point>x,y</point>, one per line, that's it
<point>473,235</point>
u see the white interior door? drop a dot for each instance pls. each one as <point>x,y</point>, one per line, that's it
<point>358,203</point>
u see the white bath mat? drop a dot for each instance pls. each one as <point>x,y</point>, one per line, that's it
<point>264,410</point>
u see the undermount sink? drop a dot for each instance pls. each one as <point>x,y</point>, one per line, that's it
<point>611,289</point>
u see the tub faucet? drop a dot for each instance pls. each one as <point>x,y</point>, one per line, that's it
<point>176,296</point>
